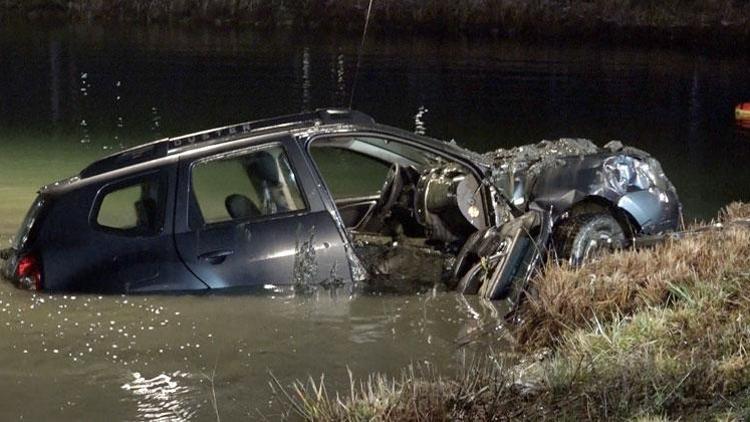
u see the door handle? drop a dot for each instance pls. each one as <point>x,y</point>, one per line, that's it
<point>216,257</point>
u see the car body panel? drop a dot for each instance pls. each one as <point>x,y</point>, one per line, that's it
<point>106,261</point>
<point>263,251</point>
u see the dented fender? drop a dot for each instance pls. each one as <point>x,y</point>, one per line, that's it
<point>556,176</point>
<point>651,202</point>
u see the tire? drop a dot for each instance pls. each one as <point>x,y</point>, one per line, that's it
<point>467,257</point>
<point>582,237</point>
<point>471,280</point>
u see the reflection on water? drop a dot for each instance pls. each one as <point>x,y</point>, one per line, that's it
<point>149,358</point>
<point>162,398</point>
<point>71,95</point>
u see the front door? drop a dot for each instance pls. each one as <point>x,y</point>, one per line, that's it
<point>254,218</point>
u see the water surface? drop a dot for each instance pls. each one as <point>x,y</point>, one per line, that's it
<point>68,96</point>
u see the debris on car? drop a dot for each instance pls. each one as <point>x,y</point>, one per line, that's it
<point>331,197</point>
<point>403,265</point>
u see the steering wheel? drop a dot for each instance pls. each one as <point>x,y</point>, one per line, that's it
<point>392,187</point>
<point>389,193</point>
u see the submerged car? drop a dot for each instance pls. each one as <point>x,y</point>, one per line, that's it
<point>326,197</point>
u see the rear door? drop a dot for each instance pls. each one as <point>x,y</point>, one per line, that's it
<point>129,246</point>
<point>253,216</point>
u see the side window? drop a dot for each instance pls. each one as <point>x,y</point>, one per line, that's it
<point>133,207</point>
<point>349,174</point>
<point>245,186</point>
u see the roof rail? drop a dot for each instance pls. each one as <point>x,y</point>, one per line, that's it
<point>324,116</point>
<point>137,155</point>
<point>162,147</point>
<point>343,115</point>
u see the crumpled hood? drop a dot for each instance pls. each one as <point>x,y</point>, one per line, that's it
<point>532,159</point>
<point>560,173</point>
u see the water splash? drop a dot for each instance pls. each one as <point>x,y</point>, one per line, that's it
<point>419,126</point>
<point>84,89</point>
<point>333,281</point>
<point>339,76</point>
<point>155,121</point>
<point>85,136</point>
<point>120,123</point>
<point>85,85</point>
<point>306,83</point>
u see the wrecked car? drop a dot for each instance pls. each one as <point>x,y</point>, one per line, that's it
<point>331,197</point>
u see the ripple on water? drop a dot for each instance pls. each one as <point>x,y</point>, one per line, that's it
<point>164,397</point>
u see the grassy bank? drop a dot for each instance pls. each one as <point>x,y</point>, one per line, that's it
<point>657,334</point>
<point>691,21</point>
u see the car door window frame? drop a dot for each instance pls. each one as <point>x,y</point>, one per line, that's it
<point>228,155</point>
<point>310,141</point>
<point>379,160</point>
<point>386,137</point>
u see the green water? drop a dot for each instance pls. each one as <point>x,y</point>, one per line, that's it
<point>146,358</point>
<point>28,163</point>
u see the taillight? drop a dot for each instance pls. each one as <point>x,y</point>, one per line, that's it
<point>29,272</point>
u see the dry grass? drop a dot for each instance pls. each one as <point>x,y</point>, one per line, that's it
<point>628,281</point>
<point>658,334</point>
<point>483,388</point>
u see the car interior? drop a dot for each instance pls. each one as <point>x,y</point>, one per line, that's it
<point>392,194</point>
<point>243,186</point>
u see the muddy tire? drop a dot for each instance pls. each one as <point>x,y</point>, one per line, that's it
<point>582,237</point>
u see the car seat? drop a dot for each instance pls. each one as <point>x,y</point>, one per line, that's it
<point>241,207</point>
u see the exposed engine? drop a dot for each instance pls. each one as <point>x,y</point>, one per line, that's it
<point>448,203</point>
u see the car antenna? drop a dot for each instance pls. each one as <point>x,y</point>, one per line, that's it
<point>359,53</point>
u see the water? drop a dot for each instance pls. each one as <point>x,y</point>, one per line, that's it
<point>70,95</point>
<point>134,358</point>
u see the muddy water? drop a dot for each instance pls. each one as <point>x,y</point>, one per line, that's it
<point>70,95</point>
<point>143,358</point>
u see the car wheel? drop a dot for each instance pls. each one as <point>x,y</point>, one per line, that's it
<point>472,280</point>
<point>467,257</point>
<point>583,237</point>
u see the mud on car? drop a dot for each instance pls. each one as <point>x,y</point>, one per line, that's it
<point>333,197</point>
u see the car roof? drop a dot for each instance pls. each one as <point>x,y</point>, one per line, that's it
<point>341,120</point>
<point>169,146</point>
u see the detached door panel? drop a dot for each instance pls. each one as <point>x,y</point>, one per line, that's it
<point>248,216</point>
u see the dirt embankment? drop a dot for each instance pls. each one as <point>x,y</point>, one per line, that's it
<point>723,23</point>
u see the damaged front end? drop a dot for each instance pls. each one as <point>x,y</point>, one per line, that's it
<point>568,199</point>
<point>504,257</point>
<point>561,174</point>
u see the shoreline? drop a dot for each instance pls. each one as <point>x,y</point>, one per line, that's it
<point>622,338</point>
<point>719,24</point>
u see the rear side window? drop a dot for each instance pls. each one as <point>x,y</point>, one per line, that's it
<point>133,207</point>
<point>248,185</point>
